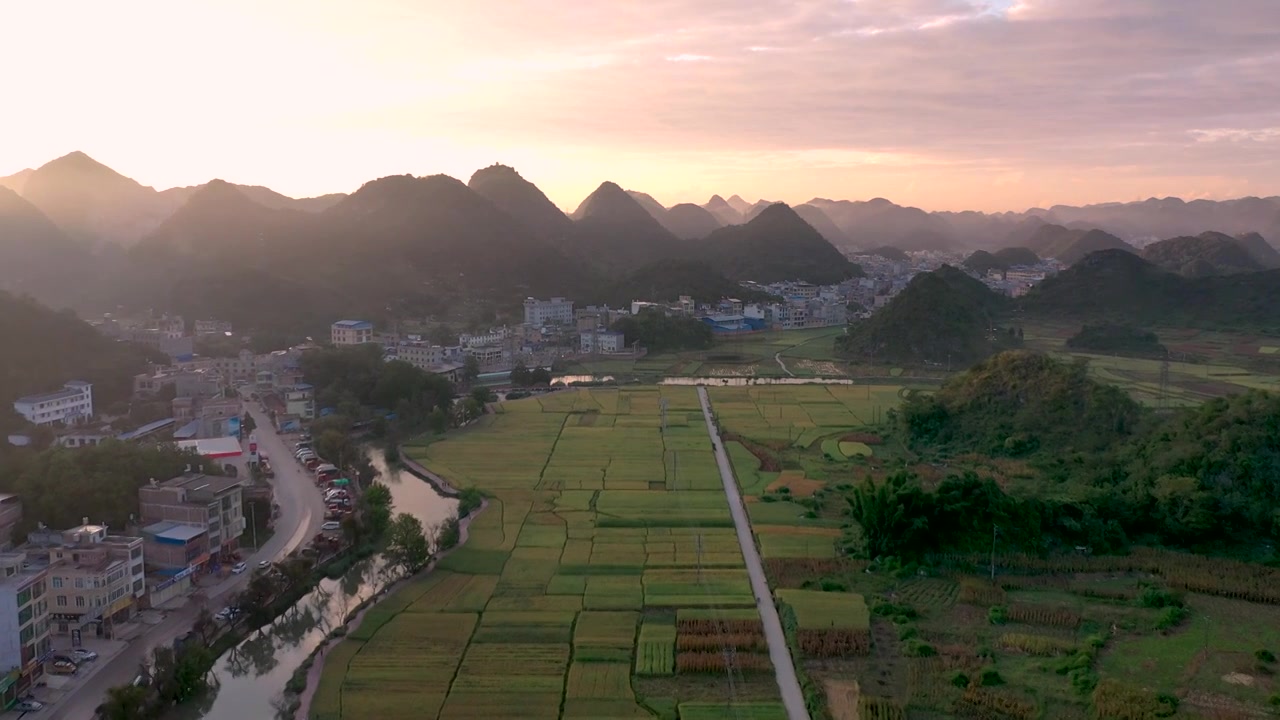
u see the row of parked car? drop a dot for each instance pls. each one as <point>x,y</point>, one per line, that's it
<point>337,498</point>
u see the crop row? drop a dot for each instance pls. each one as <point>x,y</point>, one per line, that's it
<point>982,705</point>
<point>837,643</point>
<point>875,708</point>
<point>739,641</point>
<point>718,662</point>
<point>719,627</point>
<point>1043,615</point>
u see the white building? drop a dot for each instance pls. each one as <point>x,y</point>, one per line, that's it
<point>556,311</point>
<point>493,336</point>
<point>24,622</point>
<point>73,404</point>
<point>421,355</point>
<point>603,341</point>
<point>351,332</point>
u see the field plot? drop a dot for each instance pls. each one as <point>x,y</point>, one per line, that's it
<point>602,527</point>
<point>829,624</point>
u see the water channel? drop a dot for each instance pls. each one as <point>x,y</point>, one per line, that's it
<point>251,677</point>
<point>724,381</point>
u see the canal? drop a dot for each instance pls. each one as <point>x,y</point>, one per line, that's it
<point>251,676</point>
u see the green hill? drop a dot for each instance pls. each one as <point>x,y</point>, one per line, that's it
<point>1206,254</point>
<point>1116,338</point>
<point>775,245</point>
<point>982,261</point>
<point>942,317</point>
<point>1018,402</point>
<point>1071,246</point>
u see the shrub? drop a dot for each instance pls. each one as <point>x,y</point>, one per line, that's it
<point>1170,617</point>
<point>998,615</point>
<point>990,677</point>
<point>1265,656</point>
<point>1157,597</point>
<point>920,648</point>
<point>959,679</point>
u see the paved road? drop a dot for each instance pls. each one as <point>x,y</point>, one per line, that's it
<point>301,514</point>
<point>788,684</point>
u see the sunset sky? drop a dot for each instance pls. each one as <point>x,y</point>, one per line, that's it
<point>943,104</point>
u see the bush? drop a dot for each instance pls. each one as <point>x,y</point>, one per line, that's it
<point>959,679</point>
<point>832,586</point>
<point>919,648</point>
<point>1157,597</point>
<point>998,615</point>
<point>907,632</point>
<point>990,677</point>
<point>1265,656</point>
<point>1170,617</point>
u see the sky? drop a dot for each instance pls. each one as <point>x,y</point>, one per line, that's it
<point>942,104</point>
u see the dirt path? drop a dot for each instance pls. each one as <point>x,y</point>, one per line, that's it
<point>317,666</point>
<point>779,653</point>
<point>842,698</point>
<point>778,357</point>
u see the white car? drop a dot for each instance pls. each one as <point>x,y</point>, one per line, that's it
<point>331,525</point>
<point>82,655</point>
<point>239,568</point>
<point>264,564</point>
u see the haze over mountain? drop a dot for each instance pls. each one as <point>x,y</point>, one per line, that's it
<point>36,257</point>
<point>689,222</point>
<point>521,199</point>
<point>618,231</point>
<point>1069,246</point>
<point>1211,253</point>
<point>777,245</point>
<point>724,212</point>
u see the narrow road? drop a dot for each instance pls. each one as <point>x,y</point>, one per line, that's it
<point>778,357</point>
<point>785,671</point>
<point>301,514</point>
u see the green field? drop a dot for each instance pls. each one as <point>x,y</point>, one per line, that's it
<point>600,530</point>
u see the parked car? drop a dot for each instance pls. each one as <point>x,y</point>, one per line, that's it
<point>63,667</point>
<point>83,655</point>
<point>239,568</point>
<point>331,526</point>
<point>28,705</point>
<point>264,564</point>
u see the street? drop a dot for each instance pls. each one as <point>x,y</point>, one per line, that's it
<point>784,669</point>
<point>301,514</point>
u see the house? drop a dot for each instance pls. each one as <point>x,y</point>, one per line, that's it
<point>351,332</point>
<point>212,503</point>
<point>556,311</point>
<point>420,354</point>
<point>10,514</point>
<point>94,578</point>
<point>71,405</point>
<point>212,327</point>
<point>24,624</point>
<point>602,341</point>
<point>300,400</point>
<point>492,336</point>
<point>451,371</point>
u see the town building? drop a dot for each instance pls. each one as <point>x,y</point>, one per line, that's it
<point>300,400</point>
<point>95,579</point>
<point>492,336</point>
<point>556,311</point>
<point>212,503</point>
<point>602,341</point>
<point>351,332</point>
<point>10,515</point>
<point>170,547</point>
<point>24,624</point>
<point>71,405</point>
<point>212,327</point>
<point>420,354</point>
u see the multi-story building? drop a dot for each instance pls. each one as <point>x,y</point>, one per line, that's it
<point>208,502</point>
<point>24,623</point>
<point>351,332</point>
<point>94,578</point>
<point>556,311</point>
<point>238,369</point>
<point>173,343</point>
<point>492,336</point>
<point>602,341</point>
<point>71,405</point>
<point>300,400</point>
<point>212,327</point>
<point>420,354</point>
<point>489,354</point>
<point>200,383</point>
<point>10,515</point>
<point>170,546</point>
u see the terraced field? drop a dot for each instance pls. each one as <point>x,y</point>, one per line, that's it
<point>603,533</point>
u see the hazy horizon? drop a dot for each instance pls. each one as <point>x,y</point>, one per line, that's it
<point>989,105</point>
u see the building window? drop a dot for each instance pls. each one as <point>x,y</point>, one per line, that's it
<point>57,582</point>
<point>62,601</point>
<point>80,582</point>
<point>79,601</point>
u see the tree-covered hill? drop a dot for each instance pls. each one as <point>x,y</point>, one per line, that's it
<point>1116,338</point>
<point>941,317</point>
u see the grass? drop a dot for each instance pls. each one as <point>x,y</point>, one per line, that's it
<point>821,610</point>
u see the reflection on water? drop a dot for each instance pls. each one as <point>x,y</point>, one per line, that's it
<point>713,381</point>
<point>251,676</point>
<point>571,379</point>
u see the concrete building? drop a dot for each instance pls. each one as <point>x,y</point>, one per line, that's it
<point>170,547</point>
<point>300,400</point>
<point>212,327</point>
<point>24,624</point>
<point>236,370</point>
<point>351,332</point>
<point>420,354</point>
<point>213,504</point>
<point>199,383</point>
<point>602,341</point>
<point>556,311</point>
<point>95,579</point>
<point>492,336</point>
<point>69,406</point>
<point>10,514</point>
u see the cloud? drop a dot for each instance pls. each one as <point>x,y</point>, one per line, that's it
<point>688,57</point>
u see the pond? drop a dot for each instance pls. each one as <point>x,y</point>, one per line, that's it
<point>251,676</point>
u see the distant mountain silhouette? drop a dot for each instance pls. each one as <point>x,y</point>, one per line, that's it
<point>879,222</point>
<point>617,232</point>
<point>522,200</point>
<point>1208,253</point>
<point>777,245</point>
<point>754,211</point>
<point>724,212</point>
<point>813,215</point>
<point>264,196</point>
<point>220,219</point>
<point>689,222</point>
<point>737,203</point>
<point>1259,249</point>
<point>655,209</point>
<point>36,257</point>
<point>1070,246</point>
<point>981,261</point>
<point>93,203</point>
<point>17,181</point>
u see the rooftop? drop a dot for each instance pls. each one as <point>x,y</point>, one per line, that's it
<point>213,447</point>
<point>172,531</point>
<point>146,429</point>
<point>354,324</point>
<point>55,395</point>
<point>200,481</point>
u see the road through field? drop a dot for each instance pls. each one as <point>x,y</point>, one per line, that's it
<point>788,684</point>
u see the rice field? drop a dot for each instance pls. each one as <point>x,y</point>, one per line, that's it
<point>602,528</point>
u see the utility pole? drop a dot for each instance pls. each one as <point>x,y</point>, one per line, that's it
<point>994,531</point>
<point>699,553</point>
<point>253,522</point>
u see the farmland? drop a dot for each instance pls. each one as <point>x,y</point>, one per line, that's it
<point>604,580</point>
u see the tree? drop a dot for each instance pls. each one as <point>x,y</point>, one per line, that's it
<point>470,368</point>
<point>519,374</point>
<point>124,702</point>
<point>376,509</point>
<point>247,424</point>
<point>438,421</point>
<point>482,396</point>
<point>407,545</point>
